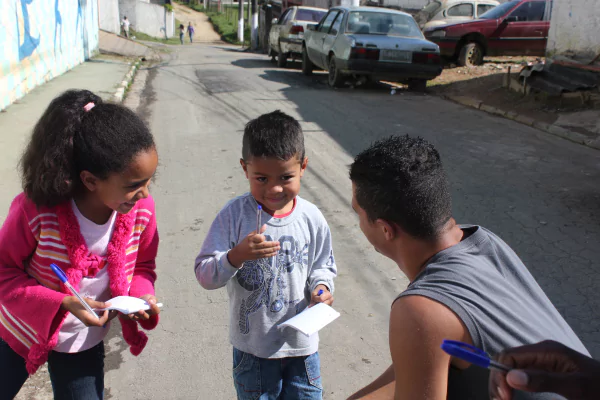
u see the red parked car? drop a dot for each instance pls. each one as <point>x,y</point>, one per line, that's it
<point>514,28</point>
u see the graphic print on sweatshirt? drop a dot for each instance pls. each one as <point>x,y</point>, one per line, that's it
<point>267,278</point>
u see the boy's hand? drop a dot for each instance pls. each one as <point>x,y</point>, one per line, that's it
<point>325,297</point>
<point>253,247</point>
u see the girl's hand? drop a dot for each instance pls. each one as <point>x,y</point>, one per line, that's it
<point>72,305</point>
<point>253,247</point>
<point>145,314</point>
<point>325,297</point>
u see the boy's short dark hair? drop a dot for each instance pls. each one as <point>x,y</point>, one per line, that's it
<point>273,135</point>
<point>401,180</point>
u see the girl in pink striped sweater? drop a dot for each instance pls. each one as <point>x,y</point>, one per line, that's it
<point>86,208</point>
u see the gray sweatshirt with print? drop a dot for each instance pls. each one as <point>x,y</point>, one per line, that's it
<point>266,292</point>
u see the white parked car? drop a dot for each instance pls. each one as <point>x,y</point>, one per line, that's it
<point>443,12</point>
<point>285,37</point>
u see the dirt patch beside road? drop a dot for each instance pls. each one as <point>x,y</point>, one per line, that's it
<point>485,83</point>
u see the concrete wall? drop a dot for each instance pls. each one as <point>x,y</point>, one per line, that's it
<point>151,19</point>
<point>574,28</point>
<point>108,14</point>
<point>41,39</point>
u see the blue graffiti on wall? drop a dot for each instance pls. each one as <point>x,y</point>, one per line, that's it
<point>57,26</point>
<point>29,43</point>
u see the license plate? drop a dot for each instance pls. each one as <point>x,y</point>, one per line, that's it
<point>396,55</point>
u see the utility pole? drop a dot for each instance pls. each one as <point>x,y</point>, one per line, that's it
<point>241,21</point>
<point>254,27</point>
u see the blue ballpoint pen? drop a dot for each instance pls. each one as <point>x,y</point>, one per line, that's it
<point>63,278</point>
<point>472,354</point>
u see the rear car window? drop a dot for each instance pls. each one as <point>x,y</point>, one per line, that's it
<point>379,23</point>
<point>483,8</point>
<point>309,15</point>
<point>460,10</point>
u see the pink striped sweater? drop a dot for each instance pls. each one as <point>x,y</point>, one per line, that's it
<point>32,238</point>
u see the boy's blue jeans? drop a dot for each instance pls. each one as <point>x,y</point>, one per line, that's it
<point>293,378</point>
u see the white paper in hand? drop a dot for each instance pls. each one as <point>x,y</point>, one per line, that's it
<point>128,305</point>
<point>312,319</point>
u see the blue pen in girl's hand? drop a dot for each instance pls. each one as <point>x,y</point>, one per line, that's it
<point>63,278</point>
<point>472,354</point>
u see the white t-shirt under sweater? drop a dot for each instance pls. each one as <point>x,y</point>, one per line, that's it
<point>74,336</point>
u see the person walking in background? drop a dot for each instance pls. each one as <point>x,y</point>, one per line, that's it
<point>191,31</point>
<point>125,25</point>
<point>181,32</point>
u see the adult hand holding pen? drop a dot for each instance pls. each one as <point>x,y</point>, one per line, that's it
<point>546,367</point>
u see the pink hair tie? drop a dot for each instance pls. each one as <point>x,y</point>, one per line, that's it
<point>89,106</point>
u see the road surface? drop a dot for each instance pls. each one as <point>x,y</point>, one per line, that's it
<point>538,192</point>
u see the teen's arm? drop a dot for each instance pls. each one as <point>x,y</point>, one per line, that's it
<point>144,274</point>
<point>381,388</point>
<point>213,269</point>
<point>418,325</point>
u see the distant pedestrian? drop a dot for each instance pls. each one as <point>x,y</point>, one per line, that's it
<point>181,32</point>
<point>191,31</point>
<point>125,26</point>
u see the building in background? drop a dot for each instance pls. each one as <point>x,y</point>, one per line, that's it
<point>41,39</point>
<point>574,30</point>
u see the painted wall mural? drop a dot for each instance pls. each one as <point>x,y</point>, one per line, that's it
<point>41,39</point>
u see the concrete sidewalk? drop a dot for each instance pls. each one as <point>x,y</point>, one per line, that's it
<point>102,76</point>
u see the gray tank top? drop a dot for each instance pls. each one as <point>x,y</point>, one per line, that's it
<point>484,282</point>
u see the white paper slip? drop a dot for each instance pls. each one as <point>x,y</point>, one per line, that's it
<point>127,304</point>
<point>312,319</point>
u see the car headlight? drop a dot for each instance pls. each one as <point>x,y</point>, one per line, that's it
<point>439,33</point>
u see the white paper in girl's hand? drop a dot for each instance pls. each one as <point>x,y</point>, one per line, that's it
<point>312,319</point>
<point>127,304</point>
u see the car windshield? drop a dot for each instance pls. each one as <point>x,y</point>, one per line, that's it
<point>431,8</point>
<point>309,15</point>
<point>499,11</point>
<point>380,23</point>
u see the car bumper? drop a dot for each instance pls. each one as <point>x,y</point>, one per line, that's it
<point>447,45</point>
<point>387,70</point>
<point>291,45</point>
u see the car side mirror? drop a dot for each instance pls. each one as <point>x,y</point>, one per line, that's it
<point>274,21</point>
<point>511,19</point>
<point>311,27</point>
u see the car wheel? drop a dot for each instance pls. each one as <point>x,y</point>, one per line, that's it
<point>271,53</point>
<point>470,55</point>
<point>307,65</point>
<point>417,85</point>
<point>281,58</point>
<point>336,79</point>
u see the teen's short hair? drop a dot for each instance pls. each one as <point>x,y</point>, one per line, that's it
<point>401,180</point>
<point>273,135</point>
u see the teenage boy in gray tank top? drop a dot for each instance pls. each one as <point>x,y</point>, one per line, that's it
<point>466,284</point>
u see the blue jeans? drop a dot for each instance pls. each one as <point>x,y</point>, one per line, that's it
<point>292,378</point>
<point>74,376</point>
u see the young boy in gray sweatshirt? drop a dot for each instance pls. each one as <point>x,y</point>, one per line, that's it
<point>274,274</point>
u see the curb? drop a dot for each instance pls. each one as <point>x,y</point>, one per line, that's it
<point>119,94</point>
<point>542,126</point>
